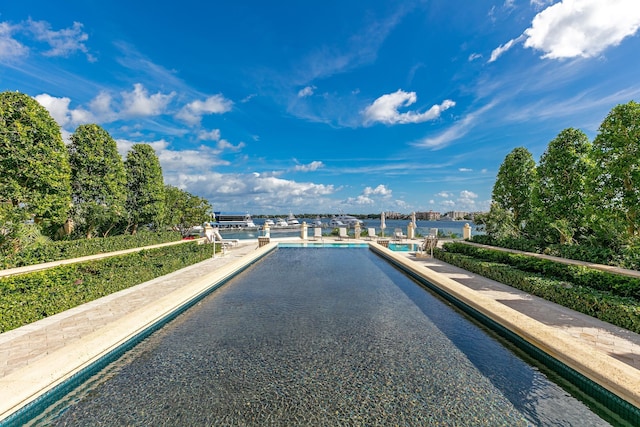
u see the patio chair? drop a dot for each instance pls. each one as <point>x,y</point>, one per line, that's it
<point>224,242</point>
<point>398,234</point>
<point>317,233</point>
<point>371,233</point>
<point>342,233</point>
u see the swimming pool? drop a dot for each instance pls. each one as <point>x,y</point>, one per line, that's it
<point>322,337</point>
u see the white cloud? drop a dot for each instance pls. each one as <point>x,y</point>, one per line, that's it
<point>577,28</point>
<point>380,190</point>
<point>212,135</point>
<point>582,28</point>
<point>371,196</point>
<point>192,113</point>
<point>474,56</point>
<point>444,194</point>
<point>465,170</point>
<point>140,103</point>
<point>63,42</point>
<point>10,47</point>
<point>497,52</point>
<point>57,107</point>
<point>224,145</point>
<point>315,165</point>
<point>306,91</point>
<point>385,109</point>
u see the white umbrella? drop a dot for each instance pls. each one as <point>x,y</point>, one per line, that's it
<point>413,219</point>
<point>382,224</point>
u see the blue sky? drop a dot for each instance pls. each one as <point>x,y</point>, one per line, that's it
<point>331,106</point>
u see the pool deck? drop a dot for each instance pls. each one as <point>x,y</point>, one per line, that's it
<point>36,357</point>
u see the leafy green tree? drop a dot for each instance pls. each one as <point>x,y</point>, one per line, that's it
<point>497,223</point>
<point>98,180</point>
<point>145,185</point>
<point>515,184</point>
<point>561,195</point>
<point>183,210</point>
<point>34,163</point>
<point>16,232</point>
<point>615,183</point>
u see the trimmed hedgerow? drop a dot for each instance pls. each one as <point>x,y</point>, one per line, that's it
<point>33,296</point>
<point>66,249</point>
<point>578,275</point>
<point>614,309</point>
<point>581,252</point>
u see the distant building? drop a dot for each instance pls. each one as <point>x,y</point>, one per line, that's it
<point>393,215</point>
<point>455,215</point>
<point>428,216</point>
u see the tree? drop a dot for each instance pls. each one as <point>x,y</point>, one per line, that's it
<point>497,223</point>
<point>616,173</point>
<point>98,180</point>
<point>34,163</point>
<point>561,194</point>
<point>515,184</point>
<point>183,210</point>
<point>145,186</point>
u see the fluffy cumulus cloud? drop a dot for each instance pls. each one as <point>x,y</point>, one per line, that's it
<point>192,113</point>
<point>584,28</point>
<point>139,103</point>
<point>578,28</point>
<point>9,46</point>
<point>261,192</point>
<point>385,109</point>
<point>133,104</point>
<point>371,196</point>
<point>310,167</point>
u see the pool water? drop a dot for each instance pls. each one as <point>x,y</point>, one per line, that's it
<point>404,247</point>
<point>321,337</point>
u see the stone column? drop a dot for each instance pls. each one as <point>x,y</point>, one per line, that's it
<point>466,232</point>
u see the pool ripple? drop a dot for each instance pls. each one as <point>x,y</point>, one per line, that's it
<point>333,343</point>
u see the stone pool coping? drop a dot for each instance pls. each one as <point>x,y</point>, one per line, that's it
<point>612,374</point>
<point>25,385</point>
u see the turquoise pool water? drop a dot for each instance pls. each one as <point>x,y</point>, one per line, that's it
<point>322,337</point>
<point>404,247</point>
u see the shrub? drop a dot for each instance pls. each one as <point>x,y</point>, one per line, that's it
<point>58,250</point>
<point>617,310</point>
<point>624,286</point>
<point>29,297</point>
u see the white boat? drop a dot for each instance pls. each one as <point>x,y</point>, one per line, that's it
<point>269,222</point>
<point>233,220</point>
<point>292,221</point>
<point>336,223</point>
<point>280,223</point>
<point>345,221</point>
<point>317,222</point>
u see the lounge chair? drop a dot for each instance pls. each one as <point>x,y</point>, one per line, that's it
<point>224,242</point>
<point>317,233</point>
<point>371,233</point>
<point>342,233</point>
<point>398,235</point>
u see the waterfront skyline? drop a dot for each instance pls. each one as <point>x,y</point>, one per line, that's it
<point>330,107</point>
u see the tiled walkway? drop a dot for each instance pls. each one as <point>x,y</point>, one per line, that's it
<point>24,347</point>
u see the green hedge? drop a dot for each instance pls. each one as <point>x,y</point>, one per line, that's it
<point>617,310</point>
<point>581,252</point>
<point>54,251</point>
<point>33,296</point>
<point>624,286</point>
